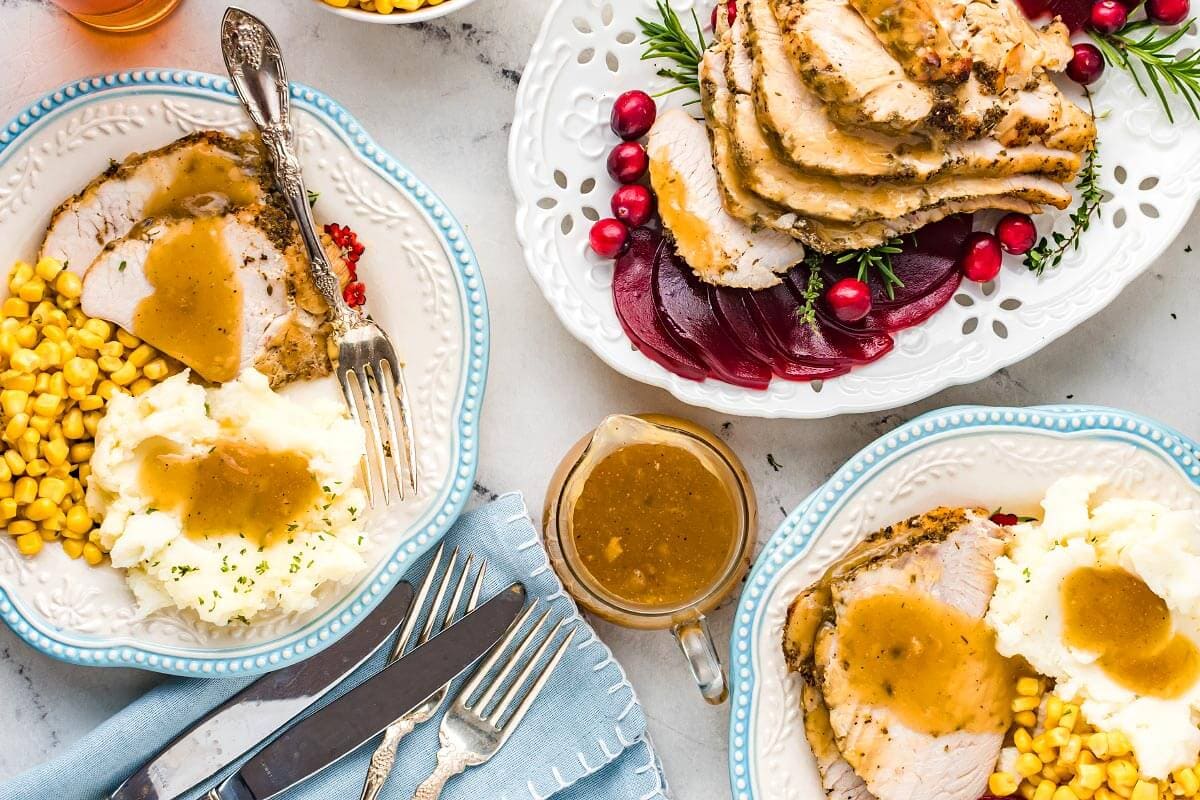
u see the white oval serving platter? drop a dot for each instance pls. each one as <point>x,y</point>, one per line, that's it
<point>423,286</point>
<point>589,52</point>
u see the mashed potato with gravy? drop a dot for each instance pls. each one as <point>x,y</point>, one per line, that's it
<point>1155,544</point>
<point>227,577</point>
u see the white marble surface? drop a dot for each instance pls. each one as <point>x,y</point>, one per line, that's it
<point>440,96</point>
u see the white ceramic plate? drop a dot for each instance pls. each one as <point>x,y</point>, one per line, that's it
<point>397,17</point>
<point>423,286</point>
<point>588,53</point>
<point>973,456</point>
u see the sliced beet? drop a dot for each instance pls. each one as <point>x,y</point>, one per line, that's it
<point>916,312</point>
<point>733,311</point>
<point>684,309</point>
<point>929,256</point>
<point>633,299</point>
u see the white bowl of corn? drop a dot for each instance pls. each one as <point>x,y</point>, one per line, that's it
<point>393,12</point>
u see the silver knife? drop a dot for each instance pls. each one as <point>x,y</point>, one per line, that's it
<point>364,712</point>
<point>262,708</point>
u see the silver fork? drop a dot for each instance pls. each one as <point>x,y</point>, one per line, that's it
<point>474,729</point>
<point>370,374</point>
<point>384,757</point>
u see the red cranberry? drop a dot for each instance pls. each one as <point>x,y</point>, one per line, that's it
<point>850,299</point>
<point>633,115</point>
<point>1087,65</point>
<point>1017,233</point>
<point>1109,16</point>
<point>1005,520</point>
<point>730,12</point>
<point>633,205</point>
<point>1168,12</point>
<point>981,257</point>
<point>609,237</point>
<point>628,162</point>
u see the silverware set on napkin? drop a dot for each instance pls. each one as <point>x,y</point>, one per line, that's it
<point>438,641</point>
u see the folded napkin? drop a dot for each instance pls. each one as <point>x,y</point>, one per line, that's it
<point>584,739</point>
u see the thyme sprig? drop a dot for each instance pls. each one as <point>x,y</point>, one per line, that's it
<point>813,288</point>
<point>1139,44</point>
<point>668,39</point>
<point>1048,253</point>
<point>876,259</point>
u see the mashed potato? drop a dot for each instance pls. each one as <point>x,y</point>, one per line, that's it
<point>227,577</point>
<point>1147,540</point>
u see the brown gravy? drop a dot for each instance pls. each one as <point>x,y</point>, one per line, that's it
<point>1113,613</point>
<point>654,526</point>
<point>195,311</point>
<point>234,488</point>
<point>203,179</point>
<point>934,666</point>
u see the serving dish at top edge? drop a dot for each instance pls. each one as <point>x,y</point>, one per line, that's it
<point>972,455</point>
<point>587,53</point>
<point>425,289</point>
<point>423,14</point>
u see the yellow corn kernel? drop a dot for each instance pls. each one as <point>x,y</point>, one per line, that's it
<point>14,462</point>
<point>40,424</point>
<point>1092,776</point>
<point>68,284</point>
<point>8,341</point>
<point>78,519</point>
<point>91,421</point>
<point>5,474</point>
<point>73,548</point>
<point>1081,791</point>
<point>128,339</point>
<point>24,360</point>
<point>99,327</point>
<point>1186,778</point>
<point>12,401</point>
<point>1054,709</point>
<point>1144,790</point>
<point>54,489</point>
<point>1026,719</point>
<point>77,393</point>
<point>112,348</point>
<point>58,384</point>
<point>1002,784</point>
<point>1118,745</point>
<point>142,355</point>
<point>21,526</point>
<point>15,427</point>
<point>55,524</point>
<point>67,350</point>
<point>1026,790</point>
<point>40,509</point>
<point>48,268</point>
<point>14,307</point>
<point>141,386</point>
<point>41,384</point>
<point>81,452</point>
<point>27,449</point>
<point>1023,741</point>
<point>1025,703</point>
<point>110,363</point>
<point>6,489</point>
<point>1044,791</point>
<point>92,554</point>
<point>48,535</point>
<point>55,452</point>
<point>37,468</point>
<point>1028,764</point>
<point>92,402</point>
<point>107,389</point>
<point>85,471</point>
<point>156,370</point>
<point>1121,771</point>
<point>20,381</point>
<point>29,544</point>
<point>1070,716</point>
<point>48,354</point>
<point>8,508</point>
<point>1123,790</point>
<point>88,339</point>
<point>72,424</point>
<point>124,376</point>
<point>1069,752</point>
<point>1098,744</point>
<point>1029,686</point>
<point>1104,793</point>
<point>47,404</point>
<point>25,491</point>
<point>54,334</point>
<point>1057,737</point>
<point>1064,793</point>
<point>21,273</point>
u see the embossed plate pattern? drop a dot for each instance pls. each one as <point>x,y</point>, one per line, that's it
<point>588,53</point>
<point>971,456</point>
<point>424,287</point>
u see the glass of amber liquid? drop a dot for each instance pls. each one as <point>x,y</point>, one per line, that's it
<point>649,523</point>
<point>118,16</point>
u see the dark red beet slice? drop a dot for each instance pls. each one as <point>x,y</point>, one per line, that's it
<point>684,310</point>
<point>733,310</point>
<point>823,343</point>
<point>633,299</point>
<point>922,267</point>
<point>1075,13</point>
<point>899,318</point>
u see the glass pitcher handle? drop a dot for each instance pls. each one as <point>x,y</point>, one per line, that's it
<point>697,645</point>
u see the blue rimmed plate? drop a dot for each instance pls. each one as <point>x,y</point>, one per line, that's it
<point>424,286</point>
<point>969,456</point>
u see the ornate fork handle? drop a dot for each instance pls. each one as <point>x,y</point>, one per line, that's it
<point>450,762</point>
<point>384,757</point>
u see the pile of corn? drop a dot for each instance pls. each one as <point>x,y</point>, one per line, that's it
<point>58,369</point>
<point>1060,757</point>
<point>384,6</point>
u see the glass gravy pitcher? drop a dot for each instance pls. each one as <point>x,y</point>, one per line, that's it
<point>683,616</point>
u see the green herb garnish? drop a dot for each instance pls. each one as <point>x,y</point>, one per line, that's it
<point>668,39</point>
<point>1140,45</point>
<point>877,259</point>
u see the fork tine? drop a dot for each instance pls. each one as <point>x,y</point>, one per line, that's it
<point>510,666</point>
<point>414,612</point>
<point>434,610</point>
<point>456,598</point>
<point>474,601</point>
<point>370,393</point>
<point>399,398</point>
<point>477,677</point>
<point>352,404</point>
<point>538,684</point>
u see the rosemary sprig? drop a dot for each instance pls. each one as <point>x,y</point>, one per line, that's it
<point>1166,71</point>
<point>1048,253</point>
<point>807,312</point>
<point>668,39</point>
<point>878,259</point>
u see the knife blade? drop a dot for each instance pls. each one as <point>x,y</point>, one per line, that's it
<point>262,708</point>
<point>362,713</point>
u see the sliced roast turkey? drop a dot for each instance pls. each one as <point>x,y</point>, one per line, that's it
<point>204,172</point>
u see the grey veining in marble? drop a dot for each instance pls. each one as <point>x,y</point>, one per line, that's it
<point>439,96</point>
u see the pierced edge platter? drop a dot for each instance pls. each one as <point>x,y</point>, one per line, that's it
<point>424,286</point>
<point>588,52</point>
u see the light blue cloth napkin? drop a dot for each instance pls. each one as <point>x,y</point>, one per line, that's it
<point>585,738</point>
